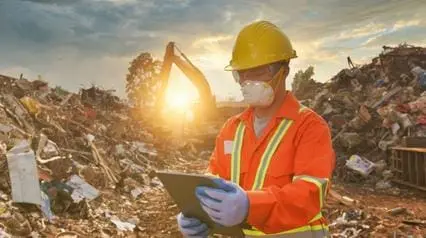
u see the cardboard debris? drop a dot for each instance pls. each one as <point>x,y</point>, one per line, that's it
<point>23,174</point>
<point>122,226</point>
<point>361,165</point>
<point>82,190</point>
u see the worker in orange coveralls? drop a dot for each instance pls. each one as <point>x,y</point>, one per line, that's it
<point>274,161</point>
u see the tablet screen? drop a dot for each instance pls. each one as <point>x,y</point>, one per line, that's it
<point>181,188</point>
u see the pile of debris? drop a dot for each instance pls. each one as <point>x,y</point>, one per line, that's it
<point>367,213</point>
<point>372,107</point>
<point>81,164</point>
<point>78,162</point>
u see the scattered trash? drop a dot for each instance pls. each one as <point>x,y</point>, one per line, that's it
<point>23,174</point>
<point>5,128</point>
<point>414,222</point>
<point>397,211</point>
<point>92,155</point>
<point>383,184</point>
<point>361,165</point>
<point>370,108</point>
<point>32,105</point>
<point>45,206</point>
<point>144,148</point>
<point>342,199</point>
<point>82,190</point>
<point>68,234</point>
<point>136,192</point>
<point>3,234</point>
<point>122,226</point>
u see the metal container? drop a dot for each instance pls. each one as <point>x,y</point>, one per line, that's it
<point>409,166</point>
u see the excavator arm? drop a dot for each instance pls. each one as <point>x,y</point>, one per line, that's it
<point>207,100</point>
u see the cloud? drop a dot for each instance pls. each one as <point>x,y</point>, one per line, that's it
<point>416,34</point>
<point>59,2</point>
<point>77,41</point>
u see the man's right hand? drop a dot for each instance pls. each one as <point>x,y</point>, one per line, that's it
<point>192,227</point>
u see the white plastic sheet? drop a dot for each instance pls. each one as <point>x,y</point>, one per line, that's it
<point>23,174</point>
<point>361,165</point>
<point>82,190</point>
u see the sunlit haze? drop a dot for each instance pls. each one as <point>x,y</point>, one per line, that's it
<point>180,92</point>
<point>80,42</point>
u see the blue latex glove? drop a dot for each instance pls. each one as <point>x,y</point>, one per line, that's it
<point>228,205</point>
<point>192,227</point>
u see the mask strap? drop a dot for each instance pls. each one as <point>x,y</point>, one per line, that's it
<point>278,77</point>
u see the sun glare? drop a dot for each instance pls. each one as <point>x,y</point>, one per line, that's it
<point>178,100</point>
<point>181,93</point>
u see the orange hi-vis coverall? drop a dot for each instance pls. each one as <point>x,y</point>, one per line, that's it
<point>285,171</point>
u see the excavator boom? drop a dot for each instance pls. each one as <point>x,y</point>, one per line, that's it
<point>207,100</point>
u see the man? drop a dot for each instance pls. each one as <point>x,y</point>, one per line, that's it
<point>275,159</point>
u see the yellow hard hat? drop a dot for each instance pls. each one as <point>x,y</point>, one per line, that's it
<point>260,43</point>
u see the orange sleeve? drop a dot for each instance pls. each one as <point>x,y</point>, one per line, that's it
<point>214,165</point>
<point>275,209</point>
<point>219,164</point>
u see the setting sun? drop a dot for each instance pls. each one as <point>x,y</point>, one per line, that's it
<point>178,100</point>
<point>181,93</point>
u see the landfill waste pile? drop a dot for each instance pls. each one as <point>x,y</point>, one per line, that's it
<point>371,108</point>
<point>82,164</point>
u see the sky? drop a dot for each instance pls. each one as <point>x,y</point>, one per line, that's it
<point>76,43</point>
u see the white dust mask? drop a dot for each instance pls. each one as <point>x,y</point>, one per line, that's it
<point>257,93</point>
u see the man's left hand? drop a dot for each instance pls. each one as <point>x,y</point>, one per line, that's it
<point>226,205</point>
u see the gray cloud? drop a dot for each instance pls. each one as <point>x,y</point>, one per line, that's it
<point>37,34</point>
<point>416,33</point>
<point>56,2</point>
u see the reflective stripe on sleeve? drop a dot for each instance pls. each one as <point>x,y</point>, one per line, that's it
<point>236,153</point>
<point>321,183</point>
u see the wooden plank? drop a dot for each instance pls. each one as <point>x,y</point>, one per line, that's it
<point>414,142</point>
<point>405,166</point>
<point>420,169</point>
<point>400,163</point>
<point>409,184</point>
<point>411,168</point>
<point>420,150</point>
<point>417,168</point>
<point>424,168</point>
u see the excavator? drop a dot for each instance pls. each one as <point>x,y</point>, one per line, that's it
<point>206,109</point>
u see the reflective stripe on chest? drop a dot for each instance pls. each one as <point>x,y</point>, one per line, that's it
<point>265,160</point>
<point>272,146</point>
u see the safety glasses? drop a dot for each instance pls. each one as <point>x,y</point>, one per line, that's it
<point>263,73</point>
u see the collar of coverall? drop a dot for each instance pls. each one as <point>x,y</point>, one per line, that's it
<point>289,109</point>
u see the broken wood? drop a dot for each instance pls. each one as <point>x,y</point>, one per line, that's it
<point>342,199</point>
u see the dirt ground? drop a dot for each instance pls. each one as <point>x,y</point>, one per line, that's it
<point>369,214</point>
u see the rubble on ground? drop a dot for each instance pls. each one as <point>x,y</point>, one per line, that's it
<point>371,108</point>
<point>370,214</point>
<point>81,163</point>
<point>91,157</point>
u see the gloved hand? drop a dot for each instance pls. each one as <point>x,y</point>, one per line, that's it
<point>192,227</point>
<point>228,205</point>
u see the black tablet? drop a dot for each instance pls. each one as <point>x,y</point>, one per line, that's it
<point>181,188</point>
